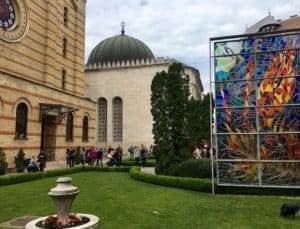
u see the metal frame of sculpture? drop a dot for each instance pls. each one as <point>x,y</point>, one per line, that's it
<point>257,109</point>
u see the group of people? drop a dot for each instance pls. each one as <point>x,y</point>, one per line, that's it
<point>139,153</point>
<point>114,156</point>
<point>90,156</point>
<point>33,165</point>
<point>202,152</point>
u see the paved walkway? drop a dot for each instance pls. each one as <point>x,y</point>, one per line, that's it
<point>63,164</point>
<point>150,170</point>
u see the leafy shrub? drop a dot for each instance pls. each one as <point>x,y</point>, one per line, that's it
<point>195,184</point>
<point>169,160</point>
<point>106,169</point>
<point>3,162</point>
<point>20,161</point>
<point>257,191</point>
<point>197,168</point>
<point>132,162</point>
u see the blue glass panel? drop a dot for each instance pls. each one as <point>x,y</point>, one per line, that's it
<point>234,67</point>
<point>240,93</point>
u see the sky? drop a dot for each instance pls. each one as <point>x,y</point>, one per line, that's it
<point>179,29</point>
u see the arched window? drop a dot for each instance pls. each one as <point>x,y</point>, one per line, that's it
<point>21,121</point>
<point>8,14</point>
<point>117,119</point>
<point>102,120</point>
<point>64,47</point>
<point>85,129</point>
<point>65,16</point>
<point>63,79</point>
<point>69,127</point>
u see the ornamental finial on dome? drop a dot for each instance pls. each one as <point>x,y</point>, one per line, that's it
<point>123,26</point>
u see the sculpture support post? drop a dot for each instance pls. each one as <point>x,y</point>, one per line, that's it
<point>63,195</point>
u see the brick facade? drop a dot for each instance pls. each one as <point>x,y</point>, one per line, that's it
<point>31,72</point>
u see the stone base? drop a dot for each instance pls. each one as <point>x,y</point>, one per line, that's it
<point>18,223</point>
<point>93,224</point>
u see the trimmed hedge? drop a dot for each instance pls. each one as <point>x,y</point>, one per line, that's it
<point>131,162</point>
<point>196,168</point>
<point>195,184</point>
<point>234,190</point>
<point>25,177</point>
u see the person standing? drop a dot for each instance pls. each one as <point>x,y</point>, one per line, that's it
<point>72,157</point>
<point>68,157</point>
<point>41,161</point>
<point>82,156</point>
<point>32,167</point>
<point>99,157</point>
<point>136,154</point>
<point>144,154</point>
<point>119,155</point>
<point>130,150</point>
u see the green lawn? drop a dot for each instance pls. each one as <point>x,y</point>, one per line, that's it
<point>121,202</point>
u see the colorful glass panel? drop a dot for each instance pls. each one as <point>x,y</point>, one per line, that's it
<point>236,67</point>
<point>279,119</point>
<point>276,64</point>
<point>280,147</point>
<point>281,173</point>
<point>236,120</point>
<point>238,173</point>
<point>257,94</point>
<point>234,47</point>
<point>238,93</point>
<point>237,146</point>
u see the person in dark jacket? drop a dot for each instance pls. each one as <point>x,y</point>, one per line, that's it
<point>42,161</point>
<point>144,153</point>
<point>119,154</point>
<point>99,157</point>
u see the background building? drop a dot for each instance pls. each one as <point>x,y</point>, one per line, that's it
<point>119,74</point>
<point>42,104</point>
<point>269,23</point>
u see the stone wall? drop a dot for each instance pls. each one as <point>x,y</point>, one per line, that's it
<point>132,83</point>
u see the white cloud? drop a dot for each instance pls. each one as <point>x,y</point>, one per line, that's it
<point>179,29</point>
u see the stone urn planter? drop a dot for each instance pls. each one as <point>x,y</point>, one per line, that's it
<point>63,196</point>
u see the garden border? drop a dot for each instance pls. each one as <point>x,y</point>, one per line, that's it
<point>194,184</point>
<point>25,177</point>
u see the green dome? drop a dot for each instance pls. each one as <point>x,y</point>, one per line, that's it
<point>119,48</point>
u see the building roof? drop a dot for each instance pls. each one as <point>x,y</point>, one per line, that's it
<point>268,20</point>
<point>119,48</point>
<point>292,23</point>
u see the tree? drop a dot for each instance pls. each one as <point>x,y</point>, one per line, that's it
<point>169,100</point>
<point>3,163</point>
<point>20,161</point>
<point>199,120</point>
